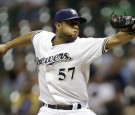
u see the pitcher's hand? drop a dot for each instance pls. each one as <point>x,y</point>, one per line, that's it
<point>3,49</point>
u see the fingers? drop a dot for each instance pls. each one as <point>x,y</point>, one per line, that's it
<point>3,49</point>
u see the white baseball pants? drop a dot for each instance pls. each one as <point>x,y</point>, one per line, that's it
<point>48,111</point>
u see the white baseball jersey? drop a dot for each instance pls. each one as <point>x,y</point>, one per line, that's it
<point>63,70</point>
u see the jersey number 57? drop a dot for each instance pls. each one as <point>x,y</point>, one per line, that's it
<point>62,72</point>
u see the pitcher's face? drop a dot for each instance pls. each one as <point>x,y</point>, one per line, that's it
<point>69,29</point>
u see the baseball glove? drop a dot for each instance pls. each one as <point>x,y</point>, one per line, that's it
<point>123,23</point>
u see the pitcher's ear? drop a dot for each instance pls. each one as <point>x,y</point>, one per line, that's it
<point>58,25</point>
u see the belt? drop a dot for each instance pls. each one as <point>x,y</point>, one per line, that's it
<point>63,107</point>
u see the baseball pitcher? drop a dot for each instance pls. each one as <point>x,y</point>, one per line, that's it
<point>63,60</point>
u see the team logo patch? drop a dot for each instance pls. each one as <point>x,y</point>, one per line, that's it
<point>52,60</point>
<point>73,12</point>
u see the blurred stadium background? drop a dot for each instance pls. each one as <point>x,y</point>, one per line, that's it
<point>112,83</point>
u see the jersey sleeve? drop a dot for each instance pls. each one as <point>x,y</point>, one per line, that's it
<point>40,40</point>
<point>34,35</point>
<point>39,37</point>
<point>92,48</point>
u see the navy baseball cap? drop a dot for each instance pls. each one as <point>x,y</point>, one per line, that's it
<point>68,14</point>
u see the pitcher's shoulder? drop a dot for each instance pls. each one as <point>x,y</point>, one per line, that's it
<point>43,32</point>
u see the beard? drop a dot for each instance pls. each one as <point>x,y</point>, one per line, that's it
<point>68,37</point>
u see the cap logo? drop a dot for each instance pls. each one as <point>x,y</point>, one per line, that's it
<point>73,11</point>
